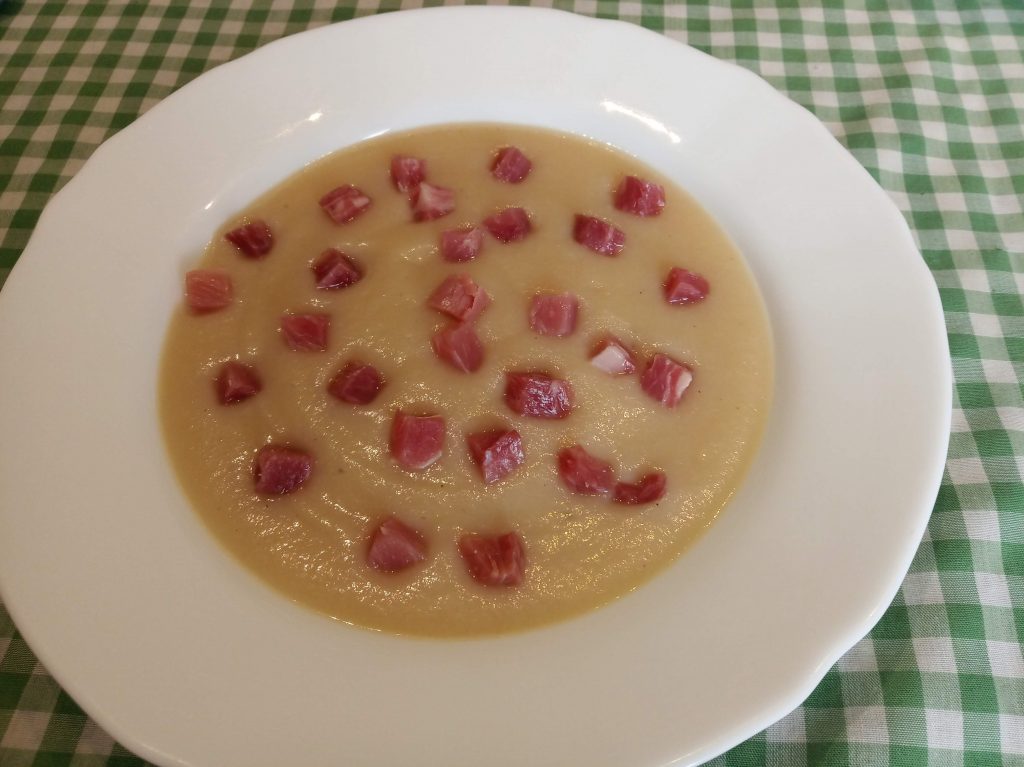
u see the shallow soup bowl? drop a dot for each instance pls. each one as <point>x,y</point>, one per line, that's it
<point>188,659</point>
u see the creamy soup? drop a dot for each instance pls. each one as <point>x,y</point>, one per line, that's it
<point>614,284</point>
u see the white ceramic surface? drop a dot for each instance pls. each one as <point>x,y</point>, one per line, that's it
<point>190,660</point>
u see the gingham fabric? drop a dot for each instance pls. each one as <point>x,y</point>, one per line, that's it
<point>929,97</point>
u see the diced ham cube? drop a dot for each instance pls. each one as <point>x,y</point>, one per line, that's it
<point>494,560</point>
<point>461,244</point>
<point>279,470</point>
<point>306,332</point>
<point>236,382</point>
<point>666,380</point>
<point>648,489</point>
<point>597,235</point>
<point>407,172</point>
<point>538,395</point>
<point>640,197</point>
<point>685,287</point>
<point>334,270</point>
<point>497,453</point>
<point>554,314</point>
<point>345,203</point>
<point>611,356</point>
<point>430,202</point>
<point>511,165</point>
<point>583,473</point>
<point>459,297</point>
<point>207,290</point>
<point>416,441</point>
<point>459,346</point>
<point>253,240</point>
<point>356,383</point>
<point>508,225</point>
<point>395,546</point>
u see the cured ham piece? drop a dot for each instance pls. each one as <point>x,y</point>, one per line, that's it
<point>666,380</point>
<point>509,225</point>
<point>611,356</point>
<point>430,202</point>
<point>459,346</point>
<point>494,560</point>
<point>345,203</point>
<point>538,395</point>
<point>497,453</point>
<point>334,270</point>
<point>253,240</point>
<point>463,244</point>
<point>356,383</point>
<point>236,382</point>
<point>416,441</point>
<point>583,473</point>
<point>685,287</point>
<point>207,290</point>
<point>407,172</point>
<point>279,470</point>
<point>554,314</point>
<point>306,332</point>
<point>459,297</point>
<point>640,197</point>
<point>511,165</point>
<point>394,546</point>
<point>597,235</point>
<point>648,489</point>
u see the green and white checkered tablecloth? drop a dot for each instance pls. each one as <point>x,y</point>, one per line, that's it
<point>929,97</point>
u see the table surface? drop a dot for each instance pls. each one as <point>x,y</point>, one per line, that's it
<point>928,96</point>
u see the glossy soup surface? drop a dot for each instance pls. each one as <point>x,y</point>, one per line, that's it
<point>581,551</point>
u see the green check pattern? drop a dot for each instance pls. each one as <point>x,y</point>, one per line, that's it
<point>929,97</point>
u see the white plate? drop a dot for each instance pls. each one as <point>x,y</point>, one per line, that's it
<point>189,660</point>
